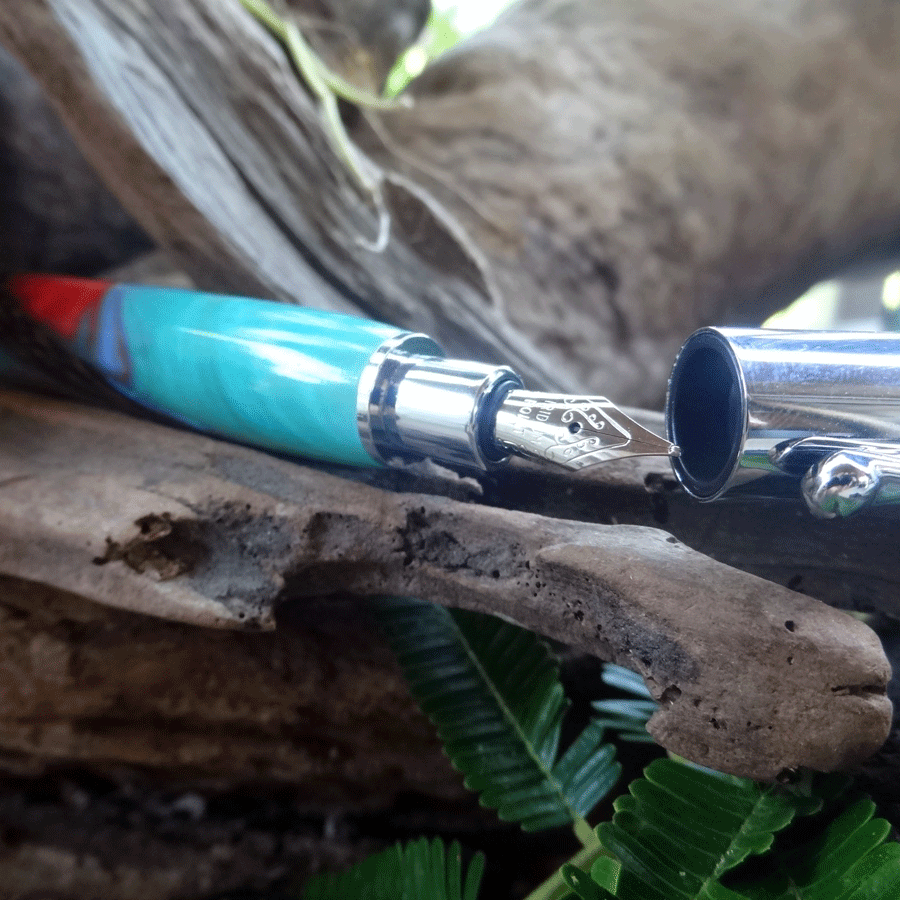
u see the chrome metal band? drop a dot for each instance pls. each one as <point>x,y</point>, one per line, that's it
<point>414,404</point>
<point>377,382</point>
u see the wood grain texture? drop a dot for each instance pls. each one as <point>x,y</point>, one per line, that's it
<point>242,183</point>
<point>573,192</point>
<point>319,706</point>
<point>656,166</point>
<point>147,759</point>
<point>752,678</point>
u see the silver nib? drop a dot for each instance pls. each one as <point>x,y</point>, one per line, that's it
<point>574,432</point>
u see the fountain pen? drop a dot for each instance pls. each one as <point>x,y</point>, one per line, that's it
<point>317,384</point>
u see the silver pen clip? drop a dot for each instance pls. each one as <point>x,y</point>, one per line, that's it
<point>573,432</point>
<point>841,476</point>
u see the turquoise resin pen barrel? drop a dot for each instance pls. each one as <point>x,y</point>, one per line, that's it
<point>305,382</point>
<point>278,376</point>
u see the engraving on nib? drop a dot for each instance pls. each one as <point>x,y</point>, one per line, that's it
<point>575,432</point>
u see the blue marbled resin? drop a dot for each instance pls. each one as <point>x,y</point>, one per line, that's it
<point>277,376</point>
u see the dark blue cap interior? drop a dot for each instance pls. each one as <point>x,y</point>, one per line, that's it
<point>704,414</point>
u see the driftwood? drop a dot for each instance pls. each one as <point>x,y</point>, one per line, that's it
<point>298,707</point>
<point>663,166</point>
<point>156,760</point>
<point>752,678</point>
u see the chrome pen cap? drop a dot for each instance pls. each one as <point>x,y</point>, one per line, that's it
<point>747,402</point>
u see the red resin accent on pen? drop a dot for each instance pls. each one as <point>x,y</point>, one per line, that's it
<point>57,302</point>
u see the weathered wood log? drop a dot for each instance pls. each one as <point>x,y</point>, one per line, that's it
<point>317,706</point>
<point>48,857</point>
<point>849,564</point>
<point>610,175</point>
<point>656,166</point>
<point>752,678</point>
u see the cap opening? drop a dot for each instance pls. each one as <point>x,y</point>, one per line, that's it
<point>705,415</point>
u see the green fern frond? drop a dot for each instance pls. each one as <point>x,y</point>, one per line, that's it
<point>851,859</point>
<point>625,680</point>
<point>493,691</point>
<point>628,718</point>
<point>680,829</point>
<point>420,870</point>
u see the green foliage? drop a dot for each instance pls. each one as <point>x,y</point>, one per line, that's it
<point>625,680</point>
<point>681,830</point>
<point>850,859</point>
<point>326,87</point>
<point>421,870</point>
<point>448,24</point>
<point>628,718</point>
<point>677,835</point>
<point>680,833</point>
<point>493,691</point>
<point>440,34</point>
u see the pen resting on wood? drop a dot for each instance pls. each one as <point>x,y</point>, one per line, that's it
<point>677,187</point>
<point>752,678</point>
<point>625,291</point>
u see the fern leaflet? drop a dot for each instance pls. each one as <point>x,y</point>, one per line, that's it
<point>420,870</point>
<point>627,717</point>
<point>493,691</point>
<point>849,860</point>
<point>679,829</point>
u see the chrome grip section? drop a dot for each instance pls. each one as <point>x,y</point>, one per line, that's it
<point>413,404</point>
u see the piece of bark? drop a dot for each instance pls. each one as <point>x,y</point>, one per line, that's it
<point>847,563</point>
<point>610,175</point>
<point>752,678</point>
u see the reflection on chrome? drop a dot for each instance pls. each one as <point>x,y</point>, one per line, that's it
<point>821,406</point>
